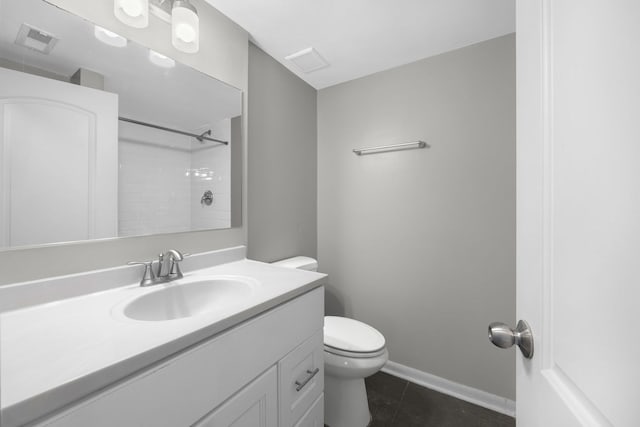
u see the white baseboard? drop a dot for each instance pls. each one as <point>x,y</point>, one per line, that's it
<point>460,391</point>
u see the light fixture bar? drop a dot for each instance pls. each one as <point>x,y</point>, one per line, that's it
<point>161,9</point>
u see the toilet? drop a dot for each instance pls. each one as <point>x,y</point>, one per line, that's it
<point>353,351</point>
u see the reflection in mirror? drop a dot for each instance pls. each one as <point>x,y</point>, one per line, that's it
<point>101,137</point>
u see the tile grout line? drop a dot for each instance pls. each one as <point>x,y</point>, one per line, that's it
<point>404,391</point>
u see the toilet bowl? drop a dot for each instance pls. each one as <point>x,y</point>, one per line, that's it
<point>353,351</point>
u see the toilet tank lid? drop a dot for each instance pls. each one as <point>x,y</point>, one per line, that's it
<point>351,335</point>
<point>300,262</point>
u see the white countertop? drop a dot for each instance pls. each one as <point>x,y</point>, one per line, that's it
<point>55,353</point>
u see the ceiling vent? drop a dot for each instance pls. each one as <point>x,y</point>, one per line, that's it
<point>35,39</point>
<point>308,60</point>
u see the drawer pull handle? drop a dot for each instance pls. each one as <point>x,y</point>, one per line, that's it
<point>300,385</point>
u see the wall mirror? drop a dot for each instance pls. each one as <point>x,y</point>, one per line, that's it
<point>101,137</point>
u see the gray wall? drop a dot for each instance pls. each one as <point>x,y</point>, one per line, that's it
<point>282,161</point>
<point>421,244</point>
<point>223,55</point>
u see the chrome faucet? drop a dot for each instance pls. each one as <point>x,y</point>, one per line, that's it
<point>168,268</point>
<point>169,265</point>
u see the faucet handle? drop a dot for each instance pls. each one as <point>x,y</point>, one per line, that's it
<point>146,263</point>
<point>148,278</point>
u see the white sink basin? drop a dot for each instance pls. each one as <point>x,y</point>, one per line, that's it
<point>189,297</point>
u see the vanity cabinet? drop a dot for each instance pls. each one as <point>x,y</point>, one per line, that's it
<point>265,372</point>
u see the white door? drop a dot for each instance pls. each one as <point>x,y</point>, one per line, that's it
<point>58,161</point>
<point>578,211</point>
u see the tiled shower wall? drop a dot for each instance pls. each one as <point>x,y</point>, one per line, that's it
<point>211,170</point>
<point>161,182</point>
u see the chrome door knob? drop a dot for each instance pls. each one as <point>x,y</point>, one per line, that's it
<point>504,337</point>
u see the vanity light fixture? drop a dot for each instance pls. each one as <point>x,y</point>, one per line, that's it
<point>109,37</point>
<point>134,13</point>
<point>161,60</point>
<point>181,14</point>
<point>185,26</point>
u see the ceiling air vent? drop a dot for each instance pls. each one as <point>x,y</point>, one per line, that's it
<point>35,39</point>
<point>308,60</point>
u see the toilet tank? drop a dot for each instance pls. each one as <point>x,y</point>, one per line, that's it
<point>300,262</point>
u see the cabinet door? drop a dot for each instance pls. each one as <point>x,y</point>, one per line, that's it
<point>253,406</point>
<point>301,379</point>
<point>314,416</point>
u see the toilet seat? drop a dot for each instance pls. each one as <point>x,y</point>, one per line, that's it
<point>361,355</point>
<point>352,338</point>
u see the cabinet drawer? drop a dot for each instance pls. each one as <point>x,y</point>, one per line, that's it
<point>301,375</point>
<point>314,416</point>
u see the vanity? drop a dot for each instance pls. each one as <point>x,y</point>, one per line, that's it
<point>233,342</point>
<point>109,157</point>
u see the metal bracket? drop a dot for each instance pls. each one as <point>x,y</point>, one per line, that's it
<point>161,9</point>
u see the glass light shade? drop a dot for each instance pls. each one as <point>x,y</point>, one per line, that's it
<point>161,60</point>
<point>185,32</point>
<point>134,13</point>
<point>109,37</point>
<point>185,27</point>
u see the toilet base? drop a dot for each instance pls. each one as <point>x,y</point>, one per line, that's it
<point>345,402</point>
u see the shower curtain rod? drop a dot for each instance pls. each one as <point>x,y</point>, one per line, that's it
<point>200,137</point>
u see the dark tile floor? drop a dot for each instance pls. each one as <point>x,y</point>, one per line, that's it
<point>399,403</point>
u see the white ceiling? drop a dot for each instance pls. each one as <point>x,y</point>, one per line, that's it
<point>362,37</point>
